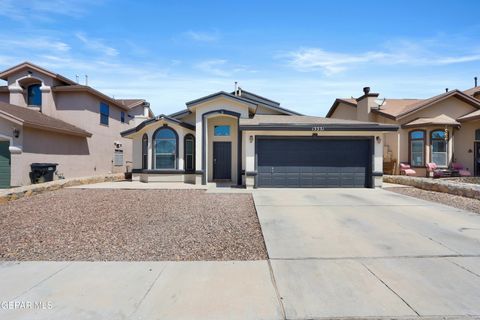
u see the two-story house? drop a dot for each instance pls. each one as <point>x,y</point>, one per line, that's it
<point>48,118</point>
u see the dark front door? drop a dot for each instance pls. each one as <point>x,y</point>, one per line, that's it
<point>4,165</point>
<point>222,160</point>
<point>314,162</point>
<point>477,158</point>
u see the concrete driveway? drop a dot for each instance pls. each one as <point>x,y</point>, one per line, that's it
<point>370,253</point>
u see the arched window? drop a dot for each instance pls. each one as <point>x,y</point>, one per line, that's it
<point>165,141</point>
<point>34,95</point>
<point>189,154</point>
<point>145,151</point>
<point>417,148</point>
<point>438,141</point>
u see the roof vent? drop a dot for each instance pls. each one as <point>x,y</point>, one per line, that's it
<point>366,90</point>
<point>446,89</point>
<point>475,78</point>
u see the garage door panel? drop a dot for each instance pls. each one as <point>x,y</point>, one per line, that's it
<point>313,162</point>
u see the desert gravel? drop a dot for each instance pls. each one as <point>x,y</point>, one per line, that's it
<point>140,225</point>
<point>459,202</point>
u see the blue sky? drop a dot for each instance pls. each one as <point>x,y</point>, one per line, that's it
<point>303,54</point>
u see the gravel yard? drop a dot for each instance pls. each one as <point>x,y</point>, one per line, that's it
<point>468,204</point>
<point>76,224</point>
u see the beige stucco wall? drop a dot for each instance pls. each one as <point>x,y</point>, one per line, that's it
<point>464,144</point>
<point>4,97</point>
<point>345,111</point>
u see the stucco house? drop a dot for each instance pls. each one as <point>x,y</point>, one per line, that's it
<point>241,138</point>
<point>48,118</point>
<point>443,129</point>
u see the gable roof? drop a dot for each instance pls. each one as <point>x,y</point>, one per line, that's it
<point>399,108</point>
<point>217,95</point>
<point>268,103</point>
<point>35,119</point>
<point>473,91</point>
<point>145,123</point>
<point>28,65</point>
<point>434,121</point>
<point>82,88</point>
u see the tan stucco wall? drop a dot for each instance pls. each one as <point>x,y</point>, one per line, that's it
<point>345,111</point>
<point>4,97</point>
<point>464,143</point>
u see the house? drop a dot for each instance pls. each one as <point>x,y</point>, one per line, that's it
<point>241,138</point>
<point>48,118</point>
<point>442,129</point>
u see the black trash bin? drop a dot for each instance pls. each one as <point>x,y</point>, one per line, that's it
<point>42,172</point>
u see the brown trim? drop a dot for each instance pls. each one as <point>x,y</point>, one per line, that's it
<point>410,147</point>
<point>373,95</point>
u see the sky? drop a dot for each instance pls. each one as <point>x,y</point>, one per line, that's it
<point>303,54</point>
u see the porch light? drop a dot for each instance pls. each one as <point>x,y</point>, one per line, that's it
<point>16,132</point>
<point>250,139</point>
<point>379,139</point>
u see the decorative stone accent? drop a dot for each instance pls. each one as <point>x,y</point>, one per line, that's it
<point>26,191</point>
<point>468,190</point>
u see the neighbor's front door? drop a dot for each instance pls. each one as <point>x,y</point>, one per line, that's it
<point>222,160</point>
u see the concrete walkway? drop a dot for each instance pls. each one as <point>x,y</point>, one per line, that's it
<point>138,290</point>
<point>370,253</point>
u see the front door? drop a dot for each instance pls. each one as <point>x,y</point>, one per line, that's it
<point>477,159</point>
<point>222,160</point>
<point>4,165</point>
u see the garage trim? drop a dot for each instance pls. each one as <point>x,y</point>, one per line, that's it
<point>371,139</point>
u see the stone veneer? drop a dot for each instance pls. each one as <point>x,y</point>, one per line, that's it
<point>468,190</point>
<point>25,191</point>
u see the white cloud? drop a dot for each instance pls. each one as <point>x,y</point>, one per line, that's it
<point>331,62</point>
<point>202,36</point>
<point>214,67</point>
<point>96,45</point>
<point>37,43</point>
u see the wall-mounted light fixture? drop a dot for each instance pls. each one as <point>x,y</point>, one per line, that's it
<point>16,132</point>
<point>470,151</point>
<point>379,139</point>
<point>250,139</point>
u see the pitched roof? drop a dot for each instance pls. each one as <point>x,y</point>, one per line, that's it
<point>130,103</point>
<point>145,123</point>
<point>4,74</point>
<point>34,119</point>
<point>438,120</point>
<point>271,104</point>
<point>400,108</point>
<point>82,88</point>
<point>278,122</point>
<point>472,91</point>
<point>216,95</point>
<point>470,116</point>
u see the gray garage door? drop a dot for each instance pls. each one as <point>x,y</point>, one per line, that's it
<point>313,162</point>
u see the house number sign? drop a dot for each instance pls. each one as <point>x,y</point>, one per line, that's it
<point>318,128</point>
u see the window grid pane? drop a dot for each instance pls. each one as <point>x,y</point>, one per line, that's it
<point>221,131</point>
<point>417,153</point>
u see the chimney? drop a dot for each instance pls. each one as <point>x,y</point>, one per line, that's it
<point>475,79</point>
<point>365,104</point>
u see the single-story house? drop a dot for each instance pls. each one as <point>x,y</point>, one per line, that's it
<point>443,129</point>
<point>241,138</point>
<point>48,118</point>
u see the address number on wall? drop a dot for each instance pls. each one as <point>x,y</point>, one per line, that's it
<point>318,128</point>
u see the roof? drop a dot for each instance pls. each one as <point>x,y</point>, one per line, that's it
<point>472,91</point>
<point>4,74</point>
<point>216,95</point>
<point>82,88</point>
<point>284,122</point>
<point>438,120</point>
<point>131,103</point>
<point>145,123</point>
<point>400,108</point>
<point>257,99</point>
<point>470,116</point>
<point>35,119</point>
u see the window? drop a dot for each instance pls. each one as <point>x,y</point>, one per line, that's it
<point>417,148</point>
<point>189,153</point>
<point>477,134</point>
<point>439,148</point>
<point>221,131</point>
<point>34,95</point>
<point>118,158</point>
<point>122,117</point>
<point>165,142</point>
<point>104,113</point>
<point>145,151</point>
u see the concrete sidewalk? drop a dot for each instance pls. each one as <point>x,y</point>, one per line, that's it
<point>138,290</point>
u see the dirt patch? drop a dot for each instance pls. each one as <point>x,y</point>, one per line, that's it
<point>459,202</point>
<point>75,224</point>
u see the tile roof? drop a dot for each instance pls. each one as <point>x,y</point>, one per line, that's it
<point>438,120</point>
<point>35,119</point>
